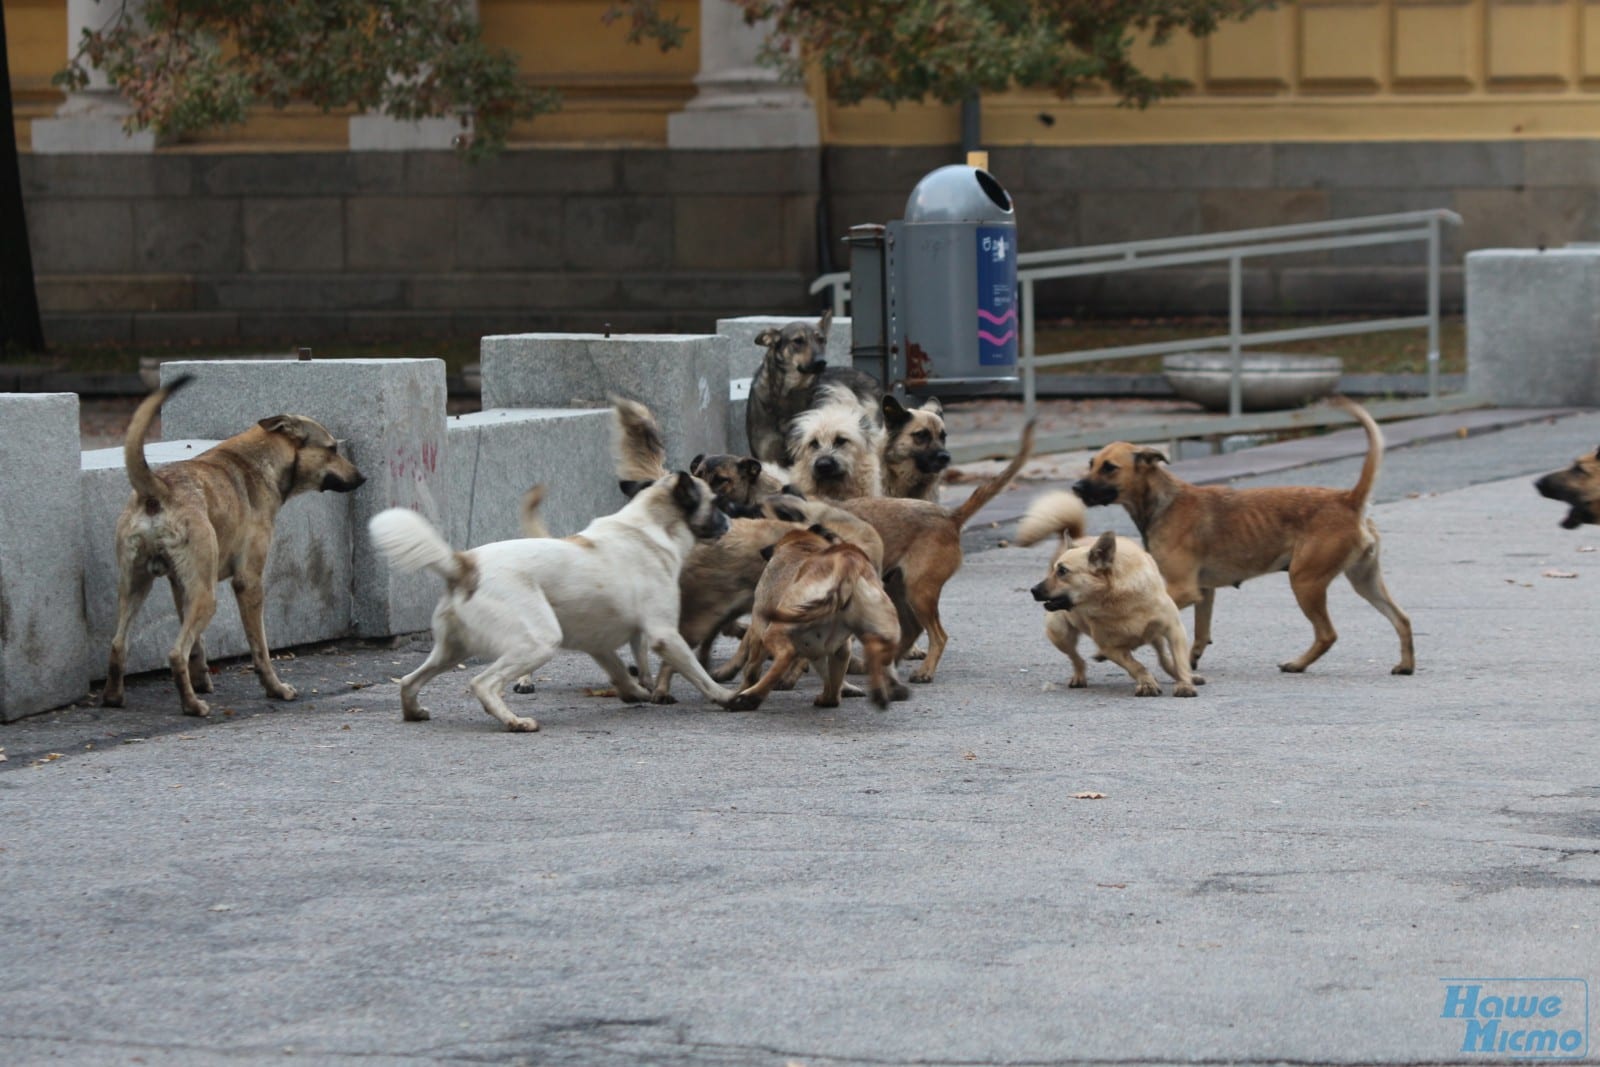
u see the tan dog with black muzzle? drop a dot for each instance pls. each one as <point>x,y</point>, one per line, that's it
<point>1206,537</point>
<point>1577,486</point>
<point>210,518</point>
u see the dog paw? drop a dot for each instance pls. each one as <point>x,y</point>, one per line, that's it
<point>1147,689</point>
<point>745,701</point>
<point>663,698</point>
<point>899,692</point>
<point>851,689</point>
<point>1198,679</point>
<point>917,652</point>
<point>416,714</point>
<point>1403,669</point>
<point>881,698</point>
<point>522,726</point>
<point>1184,691</point>
<point>1291,668</point>
<point>199,709</point>
<point>1078,683</point>
<point>524,688</point>
<point>283,692</point>
<point>111,700</point>
<point>821,702</point>
<point>202,683</point>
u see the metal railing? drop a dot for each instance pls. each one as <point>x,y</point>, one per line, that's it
<point>1232,247</point>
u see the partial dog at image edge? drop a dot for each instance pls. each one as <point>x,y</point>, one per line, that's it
<point>1577,486</point>
<point>1109,588</point>
<point>205,519</point>
<point>1204,537</point>
<point>816,593</point>
<point>518,602</point>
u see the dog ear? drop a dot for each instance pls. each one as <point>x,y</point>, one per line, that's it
<point>823,324</point>
<point>694,464</point>
<point>631,489</point>
<point>685,492</point>
<point>787,513</point>
<point>1104,552</point>
<point>768,337</point>
<point>1148,457</point>
<point>288,425</point>
<point>894,413</point>
<point>766,553</point>
<point>750,468</point>
<point>932,404</point>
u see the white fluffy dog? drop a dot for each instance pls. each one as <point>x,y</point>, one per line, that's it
<point>518,602</point>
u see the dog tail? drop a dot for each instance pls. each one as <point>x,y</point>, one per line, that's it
<point>1053,514</point>
<point>412,544</point>
<point>991,488</point>
<point>1369,470</point>
<point>636,442</point>
<point>532,524</point>
<point>144,482</point>
<point>832,602</point>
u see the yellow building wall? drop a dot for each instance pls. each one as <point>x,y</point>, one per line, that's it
<point>1313,70</point>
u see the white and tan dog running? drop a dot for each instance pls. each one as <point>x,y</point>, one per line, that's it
<point>519,602</point>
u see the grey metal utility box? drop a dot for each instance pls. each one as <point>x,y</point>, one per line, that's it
<point>934,295</point>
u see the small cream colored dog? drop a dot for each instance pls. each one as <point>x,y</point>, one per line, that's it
<point>1110,588</point>
<point>837,448</point>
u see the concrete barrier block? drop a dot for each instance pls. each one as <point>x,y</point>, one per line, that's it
<point>493,457</point>
<point>1533,326</point>
<point>391,413</point>
<point>683,379</point>
<point>308,574</point>
<point>744,359</point>
<point>44,647</point>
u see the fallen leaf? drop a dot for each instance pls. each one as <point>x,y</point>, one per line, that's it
<point>1111,885</point>
<point>1559,574</point>
<point>359,685</point>
<point>2,755</point>
<point>1586,548</point>
<point>221,907</point>
<point>607,692</point>
<point>1088,796</point>
<point>284,655</point>
<point>346,726</point>
<point>48,757</point>
<point>1461,432</point>
<point>969,755</point>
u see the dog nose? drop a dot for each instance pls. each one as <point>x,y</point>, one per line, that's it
<point>941,459</point>
<point>1081,488</point>
<point>818,366</point>
<point>826,467</point>
<point>1039,592</point>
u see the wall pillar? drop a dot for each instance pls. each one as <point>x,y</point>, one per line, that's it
<point>92,120</point>
<point>740,104</point>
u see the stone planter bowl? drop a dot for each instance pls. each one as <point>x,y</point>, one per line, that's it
<point>1267,380</point>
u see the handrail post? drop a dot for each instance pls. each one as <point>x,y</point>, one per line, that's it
<point>1433,307</point>
<point>1235,330</point>
<point>1029,397</point>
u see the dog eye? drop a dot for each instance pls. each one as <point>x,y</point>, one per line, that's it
<point>1108,468</point>
<point>838,442</point>
<point>920,437</point>
<point>1061,570</point>
<point>815,445</point>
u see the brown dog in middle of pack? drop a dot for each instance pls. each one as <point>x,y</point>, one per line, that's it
<point>816,593</point>
<point>1204,537</point>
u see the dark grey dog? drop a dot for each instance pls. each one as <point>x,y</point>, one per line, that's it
<point>787,383</point>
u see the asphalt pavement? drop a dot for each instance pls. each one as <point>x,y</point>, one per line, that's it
<point>1334,867</point>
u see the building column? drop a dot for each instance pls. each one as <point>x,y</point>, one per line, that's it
<point>740,104</point>
<point>91,120</point>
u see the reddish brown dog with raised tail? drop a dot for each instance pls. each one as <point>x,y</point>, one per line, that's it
<point>1205,537</point>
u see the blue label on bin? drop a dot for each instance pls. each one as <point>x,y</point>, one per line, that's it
<point>997,296</point>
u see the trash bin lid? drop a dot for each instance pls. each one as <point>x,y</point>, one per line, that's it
<point>959,193</point>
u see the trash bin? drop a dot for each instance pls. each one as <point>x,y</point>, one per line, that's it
<point>934,295</point>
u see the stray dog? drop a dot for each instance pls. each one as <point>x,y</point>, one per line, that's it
<point>816,593</point>
<point>922,550</point>
<point>518,602</point>
<point>1109,588</point>
<point>1205,537</point>
<point>209,518</point>
<point>1578,485</point>
<point>914,453</point>
<point>786,383</point>
<point>739,482</point>
<point>837,449</point>
<point>614,583</point>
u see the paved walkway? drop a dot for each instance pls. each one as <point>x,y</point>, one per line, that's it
<point>1285,869</point>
